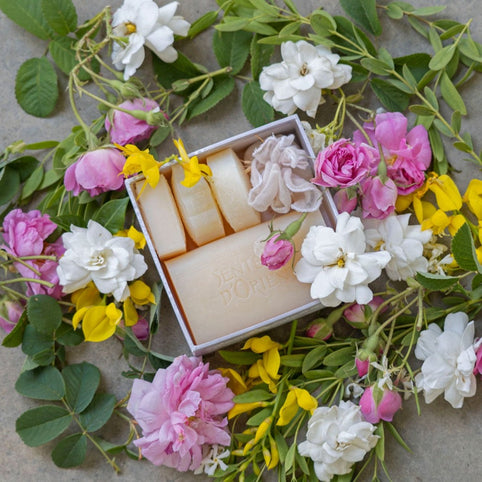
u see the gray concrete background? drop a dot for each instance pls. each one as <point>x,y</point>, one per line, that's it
<point>445,442</point>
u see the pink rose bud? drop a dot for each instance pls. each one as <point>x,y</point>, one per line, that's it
<point>141,329</point>
<point>124,128</point>
<point>276,253</point>
<point>343,202</point>
<point>12,311</point>
<point>319,329</point>
<point>389,403</point>
<point>362,366</point>
<point>378,198</point>
<point>361,313</point>
<point>96,172</point>
<point>478,362</point>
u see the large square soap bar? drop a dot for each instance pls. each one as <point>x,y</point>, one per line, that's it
<point>222,287</point>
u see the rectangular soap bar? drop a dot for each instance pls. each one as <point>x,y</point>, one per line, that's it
<point>222,287</point>
<point>161,217</point>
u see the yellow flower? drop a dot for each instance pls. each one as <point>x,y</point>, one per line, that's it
<point>88,296</point>
<point>98,322</point>
<point>130,313</point>
<point>140,161</point>
<point>263,429</point>
<point>260,345</point>
<point>240,408</point>
<point>473,197</point>
<point>193,171</point>
<point>141,294</point>
<point>273,459</point>
<point>296,398</point>
<point>135,235</point>
<point>439,221</point>
<point>236,382</point>
<point>446,192</point>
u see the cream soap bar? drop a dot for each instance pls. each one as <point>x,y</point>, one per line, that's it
<point>222,287</point>
<point>162,219</point>
<point>198,208</point>
<point>231,186</point>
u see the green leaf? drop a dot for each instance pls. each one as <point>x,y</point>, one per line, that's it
<point>442,57</point>
<point>380,447</point>
<point>314,358</point>
<point>318,374</point>
<point>290,457</point>
<point>431,97</point>
<point>202,23</point>
<point>262,28</point>
<point>44,313</point>
<point>9,184</point>
<point>456,121</point>
<point>43,383</point>
<point>426,11</point>
<point>223,86</point>
<point>42,424</point>
<point>98,413</point>
<point>394,11</point>
<point>443,128</point>
<point>28,14</point>
<point>159,136</point>
<point>112,214</point>
<point>349,30</point>
<point>239,357</point>
<point>264,7</point>
<point>469,48</point>
<point>434,39</point>
<point>347,370</point>
<point>292,360</point>
<point>36,87</point>
<point>32,183</point>
<point>322,23</point>
<point>436,143</point>
<point>260,56</point>
<point>62,51</point>
<point>392,98</point>
<point>255,108</point>
<point>376,66</point>
<point>38,346</point>
<point>420,109</point>
<point>25,166</point>
<point>256,395</point>
<point>436,282</point>
<point>231,24</point>
<point>81,382</point>
<point>232,49</point>
<point>451,95</point>
<point>397,436</point>
<point>60,15</point>
<point>364,12</point>
<point>15,337</point>
<point>418,26</point>
<point>67,336</point>
<point>256,419</point>
<point>70,451</point>
<point>463,250</point>
<point>167,73</point>
<point>339,357</point>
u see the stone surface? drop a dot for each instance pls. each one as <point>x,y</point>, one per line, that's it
<point>445,442</point>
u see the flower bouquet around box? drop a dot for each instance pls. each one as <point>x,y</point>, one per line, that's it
<point>395,274</point>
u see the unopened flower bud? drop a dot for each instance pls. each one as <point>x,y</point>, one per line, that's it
<point>379,406</point>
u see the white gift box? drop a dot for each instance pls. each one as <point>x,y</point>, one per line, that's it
<point>220,292</point>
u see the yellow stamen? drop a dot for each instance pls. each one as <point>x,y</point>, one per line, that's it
<point>130,28</point>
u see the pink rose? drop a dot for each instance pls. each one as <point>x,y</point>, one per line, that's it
<point>389,403</point>
<point>319,329</point>
<point>361,313</point>
<point>25,233</point>
<point>182,410</point>
<point>478,363</point>
<point>124,128</point>
<point>276,253</point>
<point>343,202</point>
<point>12,311</point>
<point>362,366</point>
<point>406,175</point>
<point>378,198</point>
<point>342,164</point>
<point>96,172</point>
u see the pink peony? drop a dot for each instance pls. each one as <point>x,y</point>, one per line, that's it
<point>96,172</point>
<point>342,164</point>
<point>12,313</point>
<point>25,233</point>
<point>124,128</point>
<point>362,366</point>
<point>361,313</point>
<point>180,412</point>
<point>378,197</point>
<point>276,253</point>
<point>389,403</point>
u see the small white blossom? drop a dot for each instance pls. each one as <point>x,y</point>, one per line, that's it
<point>213,460</point>
<point>297,81</point>
<point>336,264</point>
<point>142,22</point>
<point>404,242</point>
<point>449,359</point>
<point>337,437</point>
<point>94,254</point>
<point>317,139</point>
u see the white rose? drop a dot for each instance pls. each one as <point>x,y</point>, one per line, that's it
<point>297,81</point>
<point>337,437</point>
<point>94,254</point>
